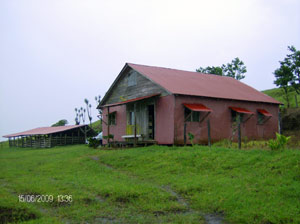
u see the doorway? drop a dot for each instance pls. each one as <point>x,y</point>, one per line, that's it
<point>151,122</point>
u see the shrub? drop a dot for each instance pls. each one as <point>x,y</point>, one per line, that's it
<point>191,137</point>
<point>94,142</point>
<point>226,143</point>
<point>108,136</point>
<point>278,143</point>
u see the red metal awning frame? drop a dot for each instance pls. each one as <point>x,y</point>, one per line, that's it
<point>264,112</point>
<point>241,110</point>
<point>197,108</point>
<point>266,115</point>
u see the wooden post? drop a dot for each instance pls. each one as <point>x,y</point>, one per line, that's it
<point>85,134</point>
<point>72,138</point>
<point>184,133</point>
<point>279,122</point>
<point>208,132</point>
<point>239,131</point>
<point>108,126</point>
<point>65,139</point>
<point>135,140</point>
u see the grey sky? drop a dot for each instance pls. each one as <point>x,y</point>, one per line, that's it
<point>55,53</point>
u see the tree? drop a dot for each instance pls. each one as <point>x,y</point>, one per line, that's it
<point>98,100</point>
<point>283,77</point>
<point>60,123</point>
<point>77,118</point>
<point>292,61</point>
<point>89,110</point>
<point>288,74</point>
<point>211,70</point>
<point>236,69</point>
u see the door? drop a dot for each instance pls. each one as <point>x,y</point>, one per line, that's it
<point>151,122</point>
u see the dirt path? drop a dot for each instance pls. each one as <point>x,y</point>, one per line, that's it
<point>209,218</point>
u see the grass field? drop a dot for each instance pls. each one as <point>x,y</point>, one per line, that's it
<point>150,185</point>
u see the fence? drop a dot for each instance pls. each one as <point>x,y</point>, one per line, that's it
<point>45,141</point>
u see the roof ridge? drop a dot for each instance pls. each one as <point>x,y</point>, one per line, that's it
<point>159,67</point>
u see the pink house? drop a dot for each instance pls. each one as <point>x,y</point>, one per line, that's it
<point>164,105</point>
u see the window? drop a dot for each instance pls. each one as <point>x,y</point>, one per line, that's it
<point>191,116</point>
<point>260,118</point>
<point>263,116</point>
<point>132,79</point>
<point>131,118</point>
<point>112,118</point>
<point>234,116</point>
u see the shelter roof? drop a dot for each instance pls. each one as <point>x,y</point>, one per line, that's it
<point>44,130</point>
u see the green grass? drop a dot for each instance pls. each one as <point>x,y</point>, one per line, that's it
<point>152,184</point>
<point>279,95</point>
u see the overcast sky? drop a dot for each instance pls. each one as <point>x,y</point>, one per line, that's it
<point>55,53</point>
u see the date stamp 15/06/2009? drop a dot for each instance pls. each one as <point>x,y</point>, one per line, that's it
<point>45,198</point>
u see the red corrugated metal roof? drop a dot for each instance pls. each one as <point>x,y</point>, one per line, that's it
<point>196,84</point>
<point>264,112</point>
<point>130,101</point>
<point>197,107</point>
<point>241,110</point>
<point>44,131</point>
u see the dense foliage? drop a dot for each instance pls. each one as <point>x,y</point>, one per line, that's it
<point>288,74</point>
<point>236,69</point>
<point>60,123</point>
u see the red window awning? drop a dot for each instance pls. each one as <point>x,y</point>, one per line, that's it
<point>264,112</point>
<point>197,107</point>
<point>241,110</point>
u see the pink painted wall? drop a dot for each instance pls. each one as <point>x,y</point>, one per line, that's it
<point>220,120</point>
<point>164,119</point>
<point>169,120</point>
<point>120,128</point>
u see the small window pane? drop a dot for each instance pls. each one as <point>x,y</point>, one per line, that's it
<point>186,114</point>
<point>260,118</point>
<point>234,116</point>
<point>112,118</point>
<point>195,116</point>
<point>131,118</point>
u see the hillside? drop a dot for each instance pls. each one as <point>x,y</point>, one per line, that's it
<point>149,185</point>
<point>278,94</point>
<point>97,126</point>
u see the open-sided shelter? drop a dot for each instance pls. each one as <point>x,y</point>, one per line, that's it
<point>46,137</point>
<point>163,105</point>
